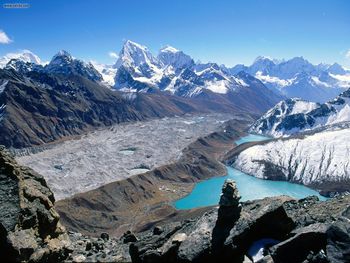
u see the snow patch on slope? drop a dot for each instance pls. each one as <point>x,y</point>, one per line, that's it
<point>3,86</point>
<point>217,86</point>
<point>274,80</point>
<point>304,107</point>
<point>107,71</point>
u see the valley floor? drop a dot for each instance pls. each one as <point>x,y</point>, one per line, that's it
<point>118,152</point>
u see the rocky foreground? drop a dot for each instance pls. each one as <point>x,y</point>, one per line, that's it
<point>29,225</point>
<point>277,229</point>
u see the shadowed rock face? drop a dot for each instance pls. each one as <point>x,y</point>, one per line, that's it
<point>29,224</point>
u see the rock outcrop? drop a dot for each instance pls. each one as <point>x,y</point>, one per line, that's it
<point>230,207</point>
<point>277,229</point>
<point>98,249</point>
<point>29,225</point>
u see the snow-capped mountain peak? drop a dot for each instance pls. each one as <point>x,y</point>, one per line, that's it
<point>134,55</point>
<point>169,48</point>
<point>28,56</point>
<point>24,55</point>
<point>64,63</point>
<point>262,64</point>
<point>262,58</point>
<point>61,58</point>
<point>336,69</point>
<point>170,56</point>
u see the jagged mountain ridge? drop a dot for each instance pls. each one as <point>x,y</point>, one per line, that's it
<point>172,71</point>
<point>64,63</point>
<point>295,115</point>
<point>61,63</point>
<point>176,73</point>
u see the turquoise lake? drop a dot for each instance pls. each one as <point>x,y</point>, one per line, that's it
<point>208,192</point>
<point>251,138</point>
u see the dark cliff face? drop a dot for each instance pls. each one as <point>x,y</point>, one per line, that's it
<point>29,225</point>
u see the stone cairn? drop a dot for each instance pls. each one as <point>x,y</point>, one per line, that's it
<point>230,208</point>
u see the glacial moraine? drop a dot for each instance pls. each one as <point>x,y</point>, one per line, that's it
<point>116,153</point>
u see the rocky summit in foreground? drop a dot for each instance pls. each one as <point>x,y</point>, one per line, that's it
<point>278,229</point>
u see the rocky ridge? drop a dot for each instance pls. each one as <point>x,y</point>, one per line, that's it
<point>305,230</point>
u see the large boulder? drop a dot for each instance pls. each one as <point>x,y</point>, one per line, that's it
<point>29,225</point>
<point>157,247</point>
<point>306,240</point>
<point>338,241</point>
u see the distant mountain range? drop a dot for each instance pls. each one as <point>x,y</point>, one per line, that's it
<point>298,78</point>
<point>173,71</point>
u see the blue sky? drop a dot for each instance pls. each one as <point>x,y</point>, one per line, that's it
<point>227,32</point>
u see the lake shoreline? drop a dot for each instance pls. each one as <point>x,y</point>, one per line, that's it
<point>262,188</point>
